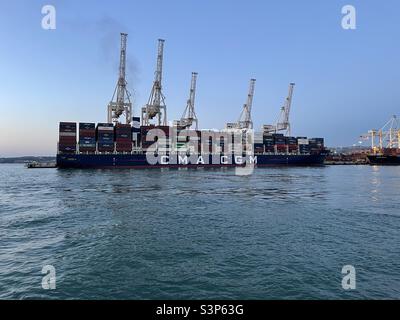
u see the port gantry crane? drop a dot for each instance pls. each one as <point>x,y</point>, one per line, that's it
<point>283,123</point>
<point>155,106</point>
<point>189,116</point>
<point>120,103</point>
<point>245,121</point>
<point>388,136</point>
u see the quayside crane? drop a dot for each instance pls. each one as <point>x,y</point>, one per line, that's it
<point>155,107</point>
<point>386,137</point>
<point>120,103</point>
<point>283,123</point>
<point>189,116</point>
<point>245,121</point>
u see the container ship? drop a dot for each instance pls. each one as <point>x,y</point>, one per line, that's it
<point>87,145</point>
<point>149,142</point>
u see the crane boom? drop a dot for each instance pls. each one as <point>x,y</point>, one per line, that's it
<point>122,68</point>
<point>120,102</point>
<point>156,103</point>
<point>192,95</point>
<point>189,115</point>
<point>245,121</point>
<point>284,122</point>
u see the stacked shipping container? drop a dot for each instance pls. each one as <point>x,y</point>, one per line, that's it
<point>87,137</point>
<point>136,138</point>
<point>123,137</point>
<point>280,142</point>
<point>186,141</point>
<point>149,136</point>
<point>105,137</point>
<point>258,142</point>
<point>316,145</point>
<point>269,143</point>
<point>291,143</point>
<point>304,147</point>
<point>67,137</point>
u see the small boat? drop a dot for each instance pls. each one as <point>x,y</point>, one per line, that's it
<point>40,165</point>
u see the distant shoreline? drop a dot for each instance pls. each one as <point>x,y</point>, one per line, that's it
<point>26,159</point>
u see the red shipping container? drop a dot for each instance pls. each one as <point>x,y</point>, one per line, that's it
<point>124,148</point>
<point>67,140</point>
<point>87,133</point>
<point>120,125</point>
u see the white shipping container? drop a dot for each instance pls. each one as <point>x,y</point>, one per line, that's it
<point>67,134</point>
<point>302,141</point>
<point>105,128</point>
<point>136,124</point>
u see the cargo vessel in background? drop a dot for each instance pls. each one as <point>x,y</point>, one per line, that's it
<point>385,144</point>
<point>384,160</point>
<point>149,142</point>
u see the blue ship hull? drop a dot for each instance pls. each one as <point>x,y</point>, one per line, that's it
<point>139,161</point>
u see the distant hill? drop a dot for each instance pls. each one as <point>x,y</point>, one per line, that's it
<point>26,159</point>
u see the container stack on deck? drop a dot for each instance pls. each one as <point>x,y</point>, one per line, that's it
<point>136,131</point>
<point>292,145</point>
<point>304,146</point>
<point>258,142</point>
<point>67,137</point>
<point>185,141</point>
<point>105,137</point>
<point>123,137</point>
<point>164,143</point>
<point>269,143</point>
<point>87,137</point>
<point>149,136</point>
<point>316,145</point>
<point>280,142</point>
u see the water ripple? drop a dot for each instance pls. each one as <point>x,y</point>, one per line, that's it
<point>281,233</point>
